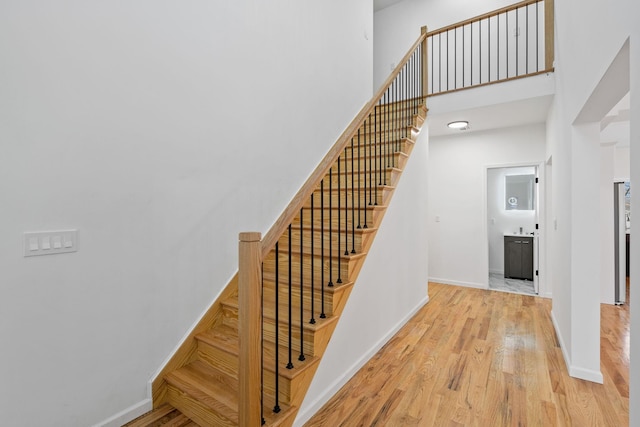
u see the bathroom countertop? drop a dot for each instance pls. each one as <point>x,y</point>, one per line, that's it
<point>517,235</point>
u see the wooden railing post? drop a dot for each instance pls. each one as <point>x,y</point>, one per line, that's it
<point>249,328</point>
<point>549,54</point>
<point>425,64</point>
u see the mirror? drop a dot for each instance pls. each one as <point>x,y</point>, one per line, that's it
<point>519,192</point>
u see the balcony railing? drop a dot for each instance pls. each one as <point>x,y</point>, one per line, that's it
<point>508,43</point>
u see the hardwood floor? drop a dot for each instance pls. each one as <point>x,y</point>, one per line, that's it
<point>481,358</point>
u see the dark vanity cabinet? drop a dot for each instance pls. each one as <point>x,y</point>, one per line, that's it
<point>518,257</point>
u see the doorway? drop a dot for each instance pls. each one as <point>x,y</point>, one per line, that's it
<point>512,224</point>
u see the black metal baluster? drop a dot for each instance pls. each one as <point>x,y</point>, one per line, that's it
<point>387,120</point>
<point>396,106</point>
<point>407,96</point>
<point>432,73</point>
<point>301,357</point>
<point>290,363</point>
<point>403,97</point>
<point>313,271</point>
<point>339,280</point>
<point>506,17</point>
<point>371,169</point>
<point>377,147</point>
<point>517,33</point>
<point>471,48</point>
<point>447,67</point>
<point>480,51</point>
<point>276,407</point>
<point>261,343</point>
<point>346,198</point>
<point>527,41</point>
<point>398,122</point>
<point>497,47</point>
<point>330,284</point>
<point>489,49</point>
<point>322,314</point>
<point>359,179</point>
<point>537,38</point>
<point>440,62</point>
<point>464,43</point>
<point>455,58</point>
<point>353,195</point>
<point>367,169</point>
<point>417,75</point>
<point>383,114</point>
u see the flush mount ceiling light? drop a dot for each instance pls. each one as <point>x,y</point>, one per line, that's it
<point>459,124</point>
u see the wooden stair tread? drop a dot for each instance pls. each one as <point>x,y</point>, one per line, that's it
<point>226,338</point>
<point>383,187</point>
<point>307,227</point>
<point>202,382</point>
<point>362,171</point>
<point>320,323</point>
<point>336,288</point>
<point>157,417</point>
<point>180,421</point>
<point>295,250</point>
<point>316,207</point>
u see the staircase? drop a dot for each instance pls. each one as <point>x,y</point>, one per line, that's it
<point>307,272</point>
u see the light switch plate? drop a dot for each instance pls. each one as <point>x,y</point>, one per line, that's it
<point>50,242</point>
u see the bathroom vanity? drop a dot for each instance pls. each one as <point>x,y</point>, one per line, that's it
<point>518,256</point>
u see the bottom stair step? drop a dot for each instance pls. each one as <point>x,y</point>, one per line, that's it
<point>165,416</point>
<point>210,398</point>
<point>204,394</point>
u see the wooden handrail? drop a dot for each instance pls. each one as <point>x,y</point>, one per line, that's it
<point>484,16</point>
<point>287,216</point>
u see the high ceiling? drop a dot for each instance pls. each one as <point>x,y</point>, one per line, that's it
<point>381,4</point>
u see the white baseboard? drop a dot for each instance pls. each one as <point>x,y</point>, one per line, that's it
<point>575,371</point>
<point>501,272</point>
<point>131,413</point>
<point>586,374</point>
<point>459,283</point>
<point>308,412</point>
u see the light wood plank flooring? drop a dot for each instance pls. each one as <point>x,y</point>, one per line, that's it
<point>483,358</point>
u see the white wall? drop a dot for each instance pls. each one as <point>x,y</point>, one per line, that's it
<point>391,286</point>
<point>607,257</point>
<point>457,203</point>
<point>393,39</point>
<point>581,91</point>
<point>622,163</point>
<point>501,221</point>
<point>159,130</point>
<point>634,374</point>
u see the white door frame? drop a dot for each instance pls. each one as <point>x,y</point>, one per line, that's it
<point>540,260</point>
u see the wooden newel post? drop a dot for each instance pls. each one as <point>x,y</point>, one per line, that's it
<point>425,65</point>
<point>249,328</point>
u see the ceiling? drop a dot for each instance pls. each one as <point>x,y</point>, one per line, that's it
<point>381,4</point>
<point>514,113</point>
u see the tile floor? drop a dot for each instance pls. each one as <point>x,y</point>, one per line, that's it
<point>497,282</point>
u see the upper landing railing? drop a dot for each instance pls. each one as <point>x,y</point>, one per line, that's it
<point>509,43</point>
